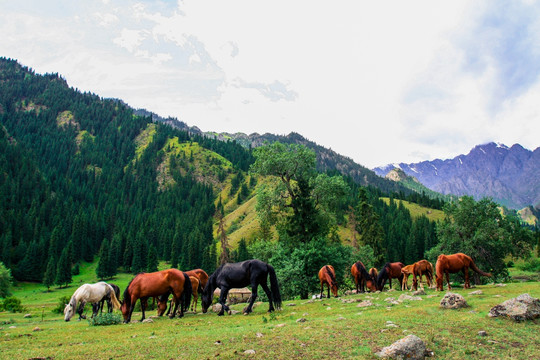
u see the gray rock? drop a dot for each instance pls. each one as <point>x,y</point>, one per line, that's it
<point>453,301</point>
<point>148,321</point>
<point>301,320</point>
<point>522,308</point>
<point>477,292</point>
<point>249,352</point>
<point>27,316</point>
<point>365,303</point>
<point>410,347</point>
<point>405,297</point>
<point>482,333</point>
<point>419,292</point>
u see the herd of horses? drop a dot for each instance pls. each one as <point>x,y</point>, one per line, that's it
<point>183,286</point>
<point>375,280</point>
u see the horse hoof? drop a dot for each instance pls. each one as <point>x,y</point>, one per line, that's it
<point>229,312</point>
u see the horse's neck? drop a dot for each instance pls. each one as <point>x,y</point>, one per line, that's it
<point>73,301</point>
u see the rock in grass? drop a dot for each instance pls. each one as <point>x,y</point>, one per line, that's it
<point>249,352</point>
<point>148,321</point>
<point>522,308</point>
<point>477,292</point>
<point>453,301</point>
<point>410,347</point>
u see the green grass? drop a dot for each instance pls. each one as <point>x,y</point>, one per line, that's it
<point>334,329</point>
<point>418,210</point>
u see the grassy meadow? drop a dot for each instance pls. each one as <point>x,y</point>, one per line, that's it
<point>335,328</point>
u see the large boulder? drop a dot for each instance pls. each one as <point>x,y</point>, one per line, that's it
<point>524,307</point>
<point>453,301</point>
<point>410,347</point>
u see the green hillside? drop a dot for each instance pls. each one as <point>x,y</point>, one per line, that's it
<point>418,210</point>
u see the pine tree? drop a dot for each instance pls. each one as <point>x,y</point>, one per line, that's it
<point>63,269</point>
<point>103,269</point>
<point>139,253</point>
<point>50,272</point>
<point>242,251</point>
<point>152,261</point>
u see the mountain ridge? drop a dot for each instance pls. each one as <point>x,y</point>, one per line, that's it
<point>509,175</point>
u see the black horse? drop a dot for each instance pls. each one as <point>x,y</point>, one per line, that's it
<point>239,275</point>
<point>98,307</point>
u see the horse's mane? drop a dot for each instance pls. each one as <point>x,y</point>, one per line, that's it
<point>127,294</point>
<point>362,269</point>
<point>332,277</point>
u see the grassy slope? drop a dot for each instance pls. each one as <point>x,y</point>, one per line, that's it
<point>333,328</point>
<point>417,210</point>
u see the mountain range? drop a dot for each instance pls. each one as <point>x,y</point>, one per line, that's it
<point>509,175</point>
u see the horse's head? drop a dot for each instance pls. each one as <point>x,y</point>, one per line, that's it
<point>371,284</point>
<point>334,288</point>
<point>207,297</point>
<point>161,306</point>
<point>124,308</point>
<point>69,311</point>
<point>439,280</point>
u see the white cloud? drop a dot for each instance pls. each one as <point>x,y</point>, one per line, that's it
<point>378,82</point>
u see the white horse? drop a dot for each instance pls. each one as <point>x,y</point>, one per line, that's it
<point>92,293</point>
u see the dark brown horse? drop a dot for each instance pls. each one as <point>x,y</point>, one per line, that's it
<point>449,264</point>
<point>202,276</point>
<point>418,269</point>
<point>388,272</point>
<point>362,278</point>
<point>155,284</point>
<point>327,275</point>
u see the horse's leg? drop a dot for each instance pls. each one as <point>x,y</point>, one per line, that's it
<point>249,308</point>
<point>466,272</point>
<point>447,279</point>
<point>222,300</point>
<point>95,309</point>
<point>269,295</point>
<point>144,303</point>
<point>322,288</point>
<point>81,309</point>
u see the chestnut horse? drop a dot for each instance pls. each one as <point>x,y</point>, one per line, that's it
<point>419,268</point>
<point>374,274</point>
<point>155,284</point>
<point>195,289</point>
<point>202,277</point>
<point>327,276</point>
<point>450,264</point>
<point>362,277</point>
<point>388,272</point>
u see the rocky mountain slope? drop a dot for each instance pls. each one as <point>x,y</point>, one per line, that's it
<point>510,175</point>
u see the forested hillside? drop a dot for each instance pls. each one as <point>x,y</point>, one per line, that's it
<point>76,170</point>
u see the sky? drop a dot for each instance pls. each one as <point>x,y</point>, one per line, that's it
<point>378,81</point>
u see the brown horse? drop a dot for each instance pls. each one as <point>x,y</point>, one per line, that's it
<point>419,268</point>
<point>155,284</point>
<point>361,277</point>
<point>202,276</point>
<point>327,276</point>
<point>374,273</point>
<point>388,272</point>
<point>195,289</point>
<point>450,264</point>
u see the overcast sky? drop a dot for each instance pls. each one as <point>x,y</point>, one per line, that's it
<point>377,81</point>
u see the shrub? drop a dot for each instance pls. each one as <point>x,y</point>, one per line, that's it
<point>106,319</point>
<point>531,264</point>
<point>12,304</point>
<point>59,309</point>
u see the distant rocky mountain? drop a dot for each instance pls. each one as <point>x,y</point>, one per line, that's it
<point>511,176</point>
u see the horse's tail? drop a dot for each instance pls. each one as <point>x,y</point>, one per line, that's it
<point>114,299</point>
<point>475,268</point>
<point>274,287</point>
<point>186,293</point>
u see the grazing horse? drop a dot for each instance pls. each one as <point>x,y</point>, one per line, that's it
<point>449,264</point>
<point>202,277</point>
<point>195,290</point>
<point>239,275</point>
<point>362,277</point>
<point>374,274</point>
<point>388,272</point>
<point>155,284</point>
<point>92,293</point>
<point>107,298</point>
<point>327,275</point>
